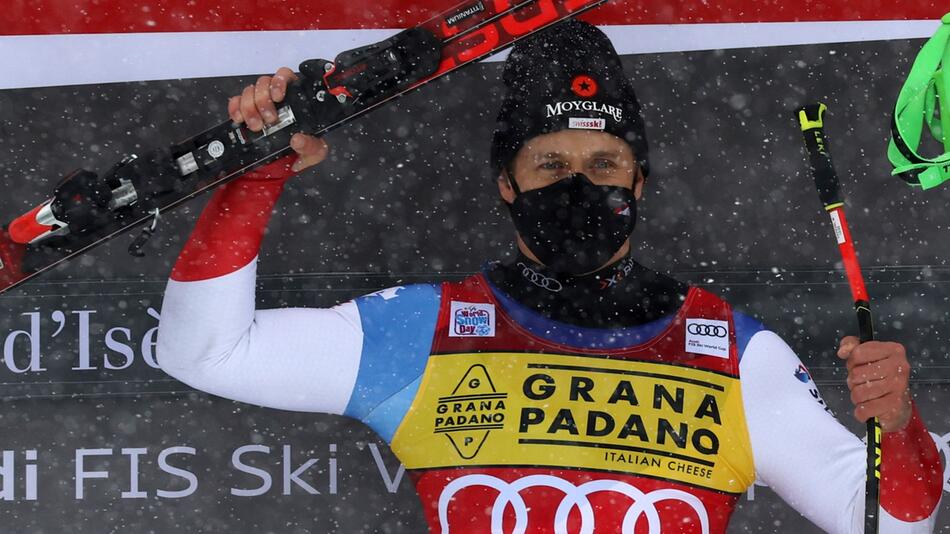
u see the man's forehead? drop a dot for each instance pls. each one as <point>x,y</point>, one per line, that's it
<point>576,143</point>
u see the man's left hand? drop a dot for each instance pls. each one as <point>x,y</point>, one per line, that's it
<point>878,377</point>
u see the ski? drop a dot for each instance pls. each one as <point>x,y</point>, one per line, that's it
<point>87,209</point>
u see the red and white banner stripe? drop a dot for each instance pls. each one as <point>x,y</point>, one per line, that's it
<point>42,17</point>
<point>71,42</point>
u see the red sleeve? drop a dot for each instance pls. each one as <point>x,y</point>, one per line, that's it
<point>911,472</point>
<point>231,227</point>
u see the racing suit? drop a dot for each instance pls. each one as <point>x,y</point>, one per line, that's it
<point>512,417</point>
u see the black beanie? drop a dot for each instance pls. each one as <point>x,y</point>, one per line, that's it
<point>567,76</point>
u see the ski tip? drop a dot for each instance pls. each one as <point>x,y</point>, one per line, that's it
<point>11,255</point>
<point>26,228</point>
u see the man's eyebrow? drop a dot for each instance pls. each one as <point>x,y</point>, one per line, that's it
<point>598,154</point>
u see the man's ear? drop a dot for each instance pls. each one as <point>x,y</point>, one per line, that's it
<point>504,187</point>
<point>638,180</point>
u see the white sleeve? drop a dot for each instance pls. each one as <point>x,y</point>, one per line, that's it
<point>212,338</point>
<point>800,450</point>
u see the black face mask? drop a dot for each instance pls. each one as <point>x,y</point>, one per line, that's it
<point>574,226</point>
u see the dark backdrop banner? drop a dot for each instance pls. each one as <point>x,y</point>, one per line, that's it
<point>95,438</point>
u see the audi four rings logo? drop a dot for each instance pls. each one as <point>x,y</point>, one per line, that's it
<point>711,330</point>
<point>509,495</point>
<point>538,279</point>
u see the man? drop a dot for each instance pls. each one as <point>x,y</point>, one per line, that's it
<point>573,390</point>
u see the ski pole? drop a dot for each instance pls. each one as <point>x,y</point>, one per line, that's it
<point>810,118</point>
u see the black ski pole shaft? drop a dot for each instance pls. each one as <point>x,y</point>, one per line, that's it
<point>811,120</point>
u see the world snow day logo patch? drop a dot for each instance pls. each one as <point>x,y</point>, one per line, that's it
<point>472,319</point>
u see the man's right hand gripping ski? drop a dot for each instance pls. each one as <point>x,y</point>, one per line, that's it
<point>234,222</point>
<point>215,277</point>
